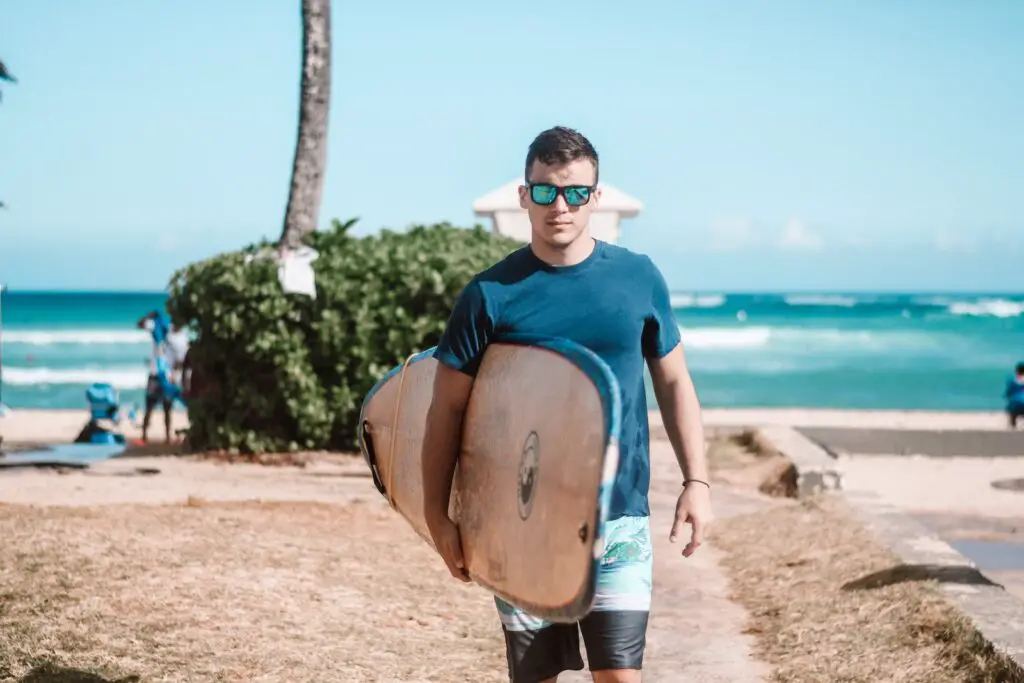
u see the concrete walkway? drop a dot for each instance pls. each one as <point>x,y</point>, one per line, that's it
<point>696,632</point>
<point>945,514</point>
<point>961,485</point>
<point>956,498</point>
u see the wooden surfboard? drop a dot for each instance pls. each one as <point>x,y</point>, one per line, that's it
<point>538,455</point>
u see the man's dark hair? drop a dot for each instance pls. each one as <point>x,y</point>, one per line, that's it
<point>560,145</point>
<point>1020,368</point>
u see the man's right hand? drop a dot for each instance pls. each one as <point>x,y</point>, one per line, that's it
<point>445,535</point>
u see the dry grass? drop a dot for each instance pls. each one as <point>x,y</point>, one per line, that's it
<point>791,569</point>
<point>294,592</point>
<point>234,592</point>
<point>748,460</point>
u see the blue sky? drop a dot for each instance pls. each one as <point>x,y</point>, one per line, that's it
<point>853,144</point>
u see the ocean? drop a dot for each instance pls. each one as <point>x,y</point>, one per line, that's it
<point>859,351</point>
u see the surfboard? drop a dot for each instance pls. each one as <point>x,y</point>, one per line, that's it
<point>72,455</point>
<point>539,452</point>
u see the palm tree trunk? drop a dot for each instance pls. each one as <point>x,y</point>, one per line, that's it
<point>5,75</point>
<point>310,161</point>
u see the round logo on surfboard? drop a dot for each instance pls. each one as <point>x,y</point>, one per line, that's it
<point>527,485</point>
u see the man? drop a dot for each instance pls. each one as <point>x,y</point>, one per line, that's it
<point>1015,396</point>
<point>170,344</point>
<point>614,302</point>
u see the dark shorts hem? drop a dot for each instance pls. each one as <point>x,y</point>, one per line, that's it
<point>614,640</point>
<point>535,656</point>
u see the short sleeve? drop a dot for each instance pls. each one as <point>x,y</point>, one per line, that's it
<point>661,331</point>
<point>467,333</point>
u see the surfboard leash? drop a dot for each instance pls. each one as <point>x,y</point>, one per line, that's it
<point>394,433</point>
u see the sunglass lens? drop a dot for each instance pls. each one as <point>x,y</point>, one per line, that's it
<point>543,194</point>
<point>577,196</point>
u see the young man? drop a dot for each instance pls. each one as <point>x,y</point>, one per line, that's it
<point>614,302</point>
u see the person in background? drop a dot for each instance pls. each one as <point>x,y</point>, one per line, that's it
<point>1015,395</point>
<point>170,345</point>
<point>177,353</point>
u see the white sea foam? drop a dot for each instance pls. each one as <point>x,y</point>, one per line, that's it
<point>680,300</point>
<point>726,337</point>
<point>996,308</point>
<point>122,377</point>
<point>75,336</point>
<point>796,339</point>
<point>823,300</point>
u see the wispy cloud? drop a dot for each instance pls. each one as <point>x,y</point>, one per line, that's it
<point>946,240</point>
<point>732,234</point>
<point>166,243</point>
<point>742,233</point>
<point>797,234</point>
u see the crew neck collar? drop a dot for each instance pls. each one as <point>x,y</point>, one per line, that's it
<point>573,268</point>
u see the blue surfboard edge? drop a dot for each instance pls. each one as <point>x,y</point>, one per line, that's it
<point>79,455</point>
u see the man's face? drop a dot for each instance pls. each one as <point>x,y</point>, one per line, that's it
<point>561,222</point>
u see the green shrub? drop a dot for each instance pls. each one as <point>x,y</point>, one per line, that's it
<point>286,372</point>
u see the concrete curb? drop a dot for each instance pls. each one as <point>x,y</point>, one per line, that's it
<point>996,614</point>
<point>816,470</point>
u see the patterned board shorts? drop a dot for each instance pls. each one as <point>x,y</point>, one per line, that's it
<point>615,630</point>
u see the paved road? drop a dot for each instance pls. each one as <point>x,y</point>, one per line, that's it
<point>944,443</point>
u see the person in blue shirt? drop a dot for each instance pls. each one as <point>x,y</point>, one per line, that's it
<point>615,302</point>
<point>170,344</point>
<point>1015,395</point>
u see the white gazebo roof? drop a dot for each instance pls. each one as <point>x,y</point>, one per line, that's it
<point>501,205</point>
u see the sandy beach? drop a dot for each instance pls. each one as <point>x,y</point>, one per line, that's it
<point>32,425</point>
<point>61,426</point>
<point>904,478</point>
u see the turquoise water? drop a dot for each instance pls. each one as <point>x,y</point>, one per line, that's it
<point>898,351</point>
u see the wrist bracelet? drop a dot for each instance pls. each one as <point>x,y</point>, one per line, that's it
<point>690,481</point>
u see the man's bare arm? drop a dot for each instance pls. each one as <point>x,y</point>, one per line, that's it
<point>680,411</point>
<point>442,438</point>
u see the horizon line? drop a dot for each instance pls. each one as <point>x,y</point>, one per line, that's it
<point>724,292</point>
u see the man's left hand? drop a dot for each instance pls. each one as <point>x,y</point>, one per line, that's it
<point>693,508</point>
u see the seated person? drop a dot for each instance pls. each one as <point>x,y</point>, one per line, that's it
<point>1015,396</point>
<point>104,415</point>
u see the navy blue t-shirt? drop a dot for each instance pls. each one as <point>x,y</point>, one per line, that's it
<point>615,303</point>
